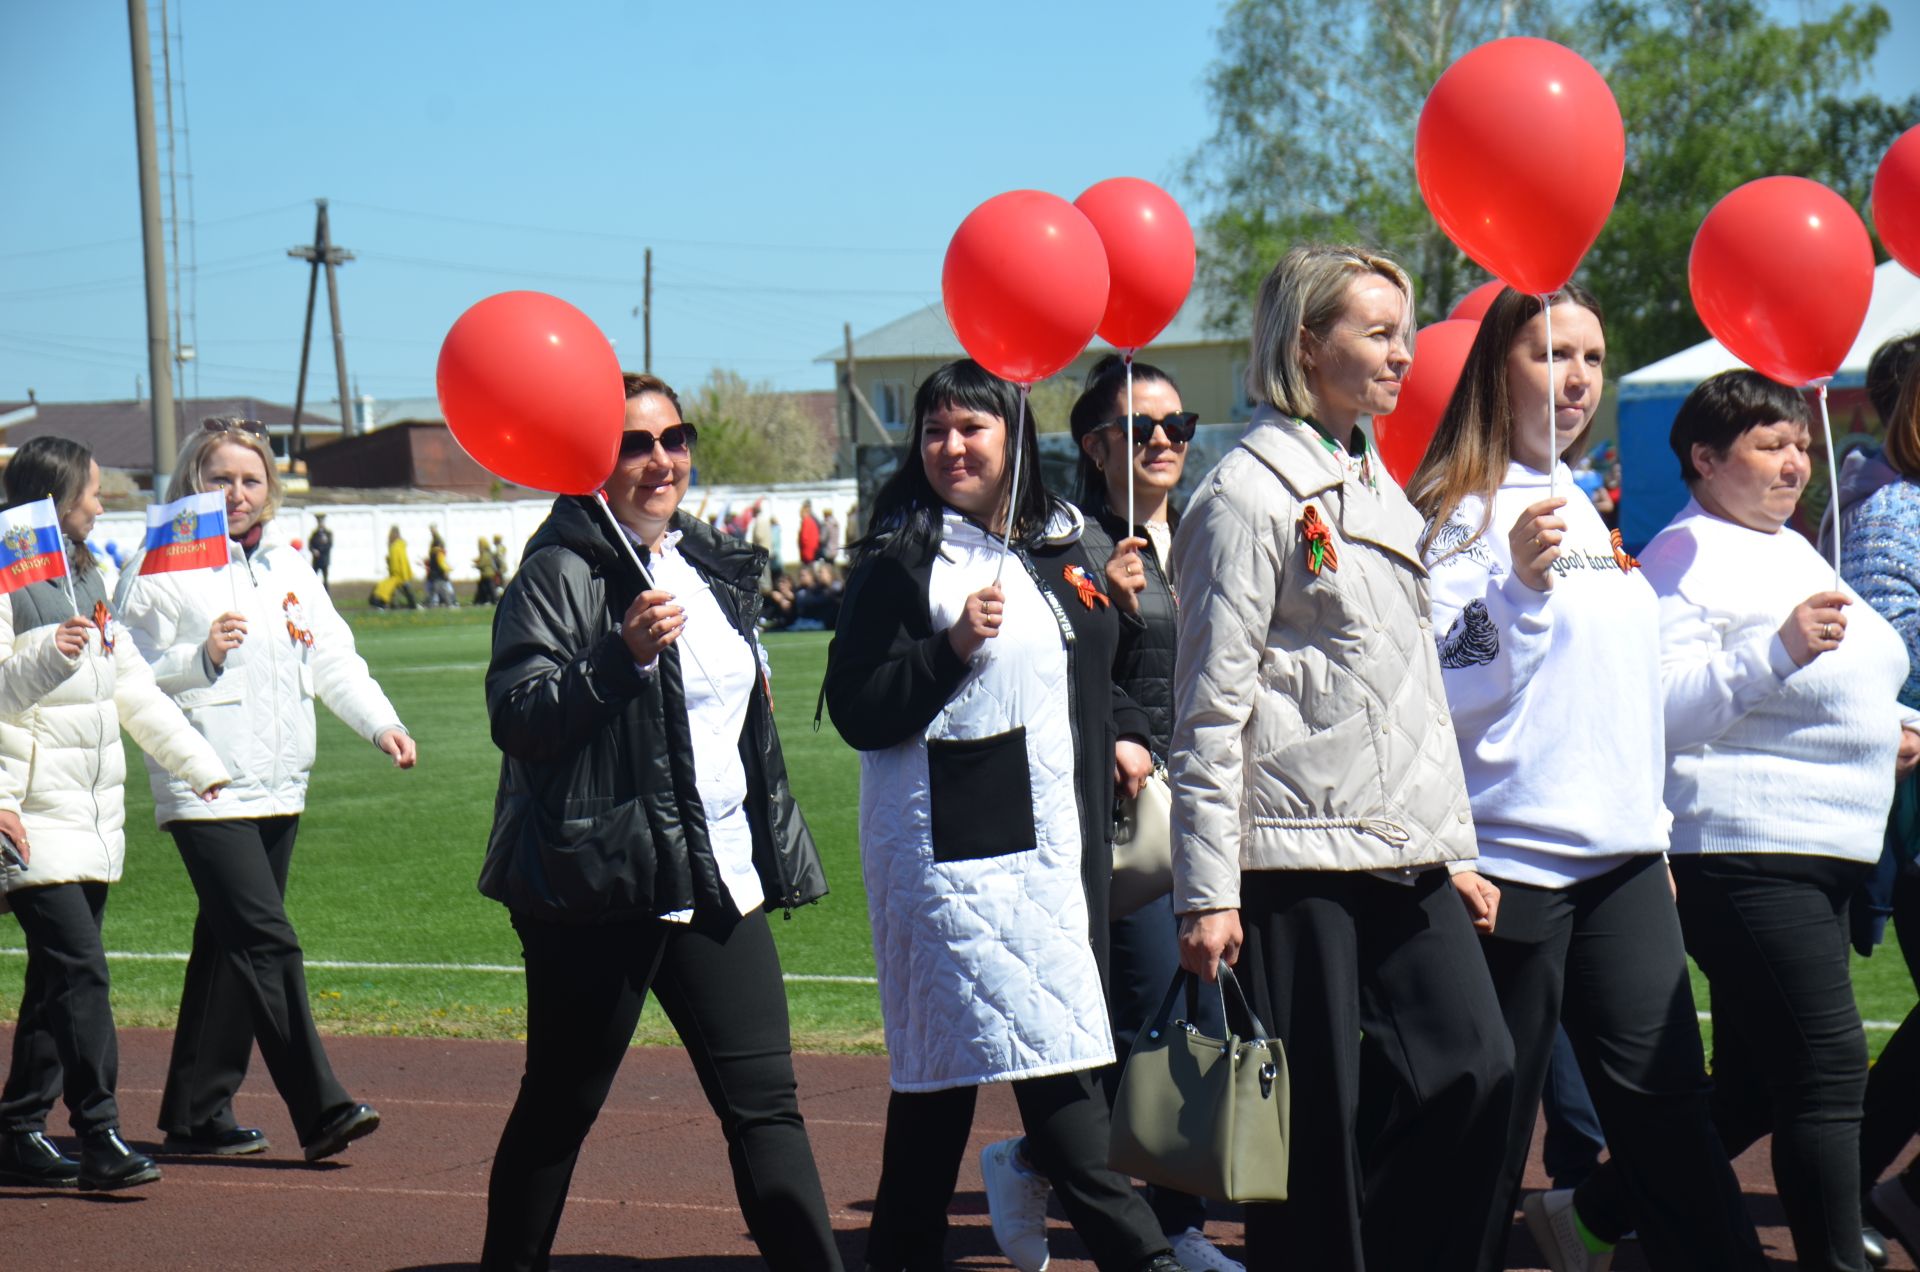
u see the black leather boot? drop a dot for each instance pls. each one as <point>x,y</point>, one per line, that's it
<point>29,1159</point>
<point>107,1163</point>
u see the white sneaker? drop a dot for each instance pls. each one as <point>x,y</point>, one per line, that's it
<point>1550,1220</point>
<point>1017,1205</point>
<point>1197,1254</point>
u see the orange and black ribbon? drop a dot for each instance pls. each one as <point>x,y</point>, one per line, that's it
<point>1319,540</point>
<point>1083,587</point>
<point>101,617</point>
<point>1622,558</point>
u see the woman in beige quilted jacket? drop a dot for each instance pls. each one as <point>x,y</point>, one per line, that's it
<point>1322,838</point>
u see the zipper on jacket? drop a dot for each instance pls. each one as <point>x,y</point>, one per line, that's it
<point>279,729</point>
<point>93,787</point>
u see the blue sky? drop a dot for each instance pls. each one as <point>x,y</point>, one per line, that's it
<point>792,166</point>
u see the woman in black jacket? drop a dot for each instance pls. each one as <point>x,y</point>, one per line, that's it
<point>642,827</point>
<point>1149,452</point>
<point>974,677</point>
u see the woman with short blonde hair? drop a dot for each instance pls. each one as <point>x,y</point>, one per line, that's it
<point>226,430</point>
<point>1321,833</point>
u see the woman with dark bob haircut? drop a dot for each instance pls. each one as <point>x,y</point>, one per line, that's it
<point>1782,724</point>
<point>976,681</point>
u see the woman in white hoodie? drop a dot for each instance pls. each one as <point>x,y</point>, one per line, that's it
<point>69,681</point>
<point>245,649</point>
<point>1549,646</point>
<point>1783,729</point>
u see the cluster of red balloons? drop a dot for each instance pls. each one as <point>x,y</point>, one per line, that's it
<point>1030,279</point>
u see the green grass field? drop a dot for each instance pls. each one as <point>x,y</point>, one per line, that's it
<point>383,878</point>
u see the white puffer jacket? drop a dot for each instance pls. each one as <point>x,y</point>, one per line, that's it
<point>257,710</point>
<point>62,768</point>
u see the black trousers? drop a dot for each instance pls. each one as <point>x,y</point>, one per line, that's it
<point>1789,1056</point>
<point>1065,1118</point>
<point>1891,1112</point>
<point>1401,1067</point>
<point>724,994</point>
<point>64,1042</point>
<point>1605,956</point>
<point>1144,951</point>
<point>246,983</point>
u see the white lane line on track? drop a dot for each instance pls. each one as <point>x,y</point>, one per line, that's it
<point>347,965</point>
<point>455,1194</point>
<point>459,666</point>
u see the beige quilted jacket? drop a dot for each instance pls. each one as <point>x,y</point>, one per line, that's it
<point>1311,726</point>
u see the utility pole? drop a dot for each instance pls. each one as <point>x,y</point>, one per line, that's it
<point>322,252</point>
<point>646,322</point>
<point>159,342</point>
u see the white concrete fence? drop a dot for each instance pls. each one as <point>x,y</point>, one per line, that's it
<point>360,530</point>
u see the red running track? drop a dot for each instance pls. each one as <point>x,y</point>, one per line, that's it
<point>653,1188</point>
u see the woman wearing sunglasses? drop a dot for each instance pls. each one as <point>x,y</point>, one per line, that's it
<point>643,827</point>
<point>1146,452</point>
<point>245,649</point>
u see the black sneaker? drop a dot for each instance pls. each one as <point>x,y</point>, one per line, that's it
<point>235,1141</point>
<point>106,1163</point>
<point>341,1129</point>
<point>29,1158</point>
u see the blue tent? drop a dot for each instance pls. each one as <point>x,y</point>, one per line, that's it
<point>1651,489</point>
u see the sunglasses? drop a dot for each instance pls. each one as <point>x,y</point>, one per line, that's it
<point>253,427</point>
<point>1179,427</point>
<point>636,443</point>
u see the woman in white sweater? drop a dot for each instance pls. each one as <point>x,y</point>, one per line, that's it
<point>245,649</point>
<point>70,680</point>
<point>1783,727</point>
<point>1550,654</point>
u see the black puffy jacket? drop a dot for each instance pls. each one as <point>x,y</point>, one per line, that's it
<point>1143,665</point>
<point>598,818</point>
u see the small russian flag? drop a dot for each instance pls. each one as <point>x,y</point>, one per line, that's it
<point>32,549</point>
<point>187,534</point>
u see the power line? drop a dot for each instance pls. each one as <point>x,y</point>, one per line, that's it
<point>603,280</point>
<point>638,238</point>
<point>135,238</point>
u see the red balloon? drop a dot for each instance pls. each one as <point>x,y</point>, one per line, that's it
<point>1439,354</point>
<point>1896,200</point>
<point>1149,257</point>
<point>1781,272</point>
<point>1474,305</point>
<point>1519,155</point>
<point>295,545</point>
<point>532,391</point>
<point>1025,284</point>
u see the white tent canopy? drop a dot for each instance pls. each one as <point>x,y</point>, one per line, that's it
<point>1893,311</point>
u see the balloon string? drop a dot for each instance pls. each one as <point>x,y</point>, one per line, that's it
<point>1833,482</point>
<point>1126,431</point>
<point>1553,423</point>
<point>1013,486</point>
<point>646,578</point>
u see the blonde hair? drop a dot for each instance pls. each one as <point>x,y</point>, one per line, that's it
<point>1306,293</point>
<point>215,432</point>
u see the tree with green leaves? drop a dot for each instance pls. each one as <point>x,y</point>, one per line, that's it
<point>750,434</point>
<point>1318,102</point>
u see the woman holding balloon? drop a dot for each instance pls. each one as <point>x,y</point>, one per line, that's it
<point>1321,831</point>
<point>1548,643</point>
<point>971,667</point>
<point>1782,732</point>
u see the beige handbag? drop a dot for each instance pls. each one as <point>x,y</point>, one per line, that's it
<point>1142,847</point>
<point>1204,1115</point>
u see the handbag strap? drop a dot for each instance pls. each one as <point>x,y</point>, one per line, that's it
<point>1190,981</point>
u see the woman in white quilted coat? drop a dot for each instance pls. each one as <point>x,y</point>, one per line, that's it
<point>68,683</point>
<point>977,687</point>
<point>245,649</point>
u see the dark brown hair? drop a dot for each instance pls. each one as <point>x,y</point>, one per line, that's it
<point>1903,427</point>
<point>638,382</point>
<point>1724,406</point>
<point>1473,444</point>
